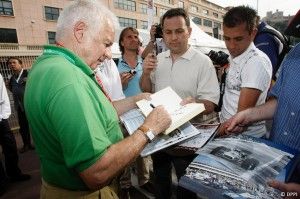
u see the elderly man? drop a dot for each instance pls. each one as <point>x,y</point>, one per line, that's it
<point>74,125</point>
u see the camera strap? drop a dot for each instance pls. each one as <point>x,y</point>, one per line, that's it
<point>222,88</point>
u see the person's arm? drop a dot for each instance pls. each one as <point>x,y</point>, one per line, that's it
<point>129,103</point>
<point>151,45</point>
<point>149,49</point>
<point>265,111</point>
<point>121,154</point>
<point>248,98</point>
<point>209,106</point>
<point>125,78</point>
<point>149,64</point>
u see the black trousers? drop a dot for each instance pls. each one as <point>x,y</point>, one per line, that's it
<point>24,127</point>
<point>162,168</point>
<point>9,147</point>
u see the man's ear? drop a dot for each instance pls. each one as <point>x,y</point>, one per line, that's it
<point>190,31</point>
<point>253,33</point>
<point>79,31</point>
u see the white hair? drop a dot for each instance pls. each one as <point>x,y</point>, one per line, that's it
<point>91,12</point>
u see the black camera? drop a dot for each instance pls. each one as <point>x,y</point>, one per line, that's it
<point>132,71</point>
<point>218,58</point>
<point>158,31</point>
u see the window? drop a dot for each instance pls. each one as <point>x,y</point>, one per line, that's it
<point>144,24</point>
<point>155,10</point>
<point>180,4</point>
<point>6,8</point>
<point>165,1</point>
<point>125,5</point>
<point>143,8</point>
<point>8,35</point>
<point>194,8</point>
<point>125,22</point>
<point>205,12</point>
<point>207,23</point>
<point>197,20</point>
<point>217,25</point>
<point>51,13</point>
<point>51,37</point>
<point>215,14</point>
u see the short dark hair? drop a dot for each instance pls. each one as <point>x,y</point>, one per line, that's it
<point>241,14</point>
<point>122,34</point>
<point>16,58</point>
<point>176,12</point>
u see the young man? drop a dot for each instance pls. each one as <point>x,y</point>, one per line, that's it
<point>192,76</point>
<point>283,107</point>
<point>250,70</point>
<point>75,127</point>
<point>130,64</point>
<point>16,85</point>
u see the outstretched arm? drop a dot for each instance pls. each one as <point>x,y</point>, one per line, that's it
<point>266,111</point>
<point>129,103</point>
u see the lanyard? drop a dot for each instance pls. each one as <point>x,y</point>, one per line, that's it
<point>20,74</point>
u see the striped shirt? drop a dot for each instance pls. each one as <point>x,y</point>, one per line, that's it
<point>286,121</point>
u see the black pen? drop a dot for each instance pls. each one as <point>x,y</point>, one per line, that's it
<point>152,105</point>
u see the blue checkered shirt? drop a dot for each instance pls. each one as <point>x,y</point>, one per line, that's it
<point>286,121</point>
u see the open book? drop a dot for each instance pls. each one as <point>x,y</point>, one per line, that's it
<point>238,167</point>
<point>171,102</point>
<point>134,118</point>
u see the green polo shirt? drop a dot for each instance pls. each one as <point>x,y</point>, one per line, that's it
<point>72,121</point>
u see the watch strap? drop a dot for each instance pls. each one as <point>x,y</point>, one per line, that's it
<point>147,132</point>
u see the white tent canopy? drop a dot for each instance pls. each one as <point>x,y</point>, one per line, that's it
<point>203,41</point>
<point>199,40</point>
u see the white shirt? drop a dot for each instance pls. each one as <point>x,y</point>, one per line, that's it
<point>251,69</point>
<point>109,75</point>
<point>5,110</point>
<point>192,74</point>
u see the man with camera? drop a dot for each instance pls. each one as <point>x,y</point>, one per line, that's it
<point>192,76</point>
<point>156,43</point>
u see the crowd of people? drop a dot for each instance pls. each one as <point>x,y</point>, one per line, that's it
<point>75,93</point>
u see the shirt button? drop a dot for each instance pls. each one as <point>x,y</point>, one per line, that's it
<point>285,133</point>
<point>292,113</point>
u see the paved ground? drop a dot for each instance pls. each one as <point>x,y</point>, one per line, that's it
<point>29,164</point>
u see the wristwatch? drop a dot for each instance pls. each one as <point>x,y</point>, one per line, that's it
<point>148,132</point>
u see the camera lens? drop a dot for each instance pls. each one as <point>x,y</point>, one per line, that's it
<point>132,71</point>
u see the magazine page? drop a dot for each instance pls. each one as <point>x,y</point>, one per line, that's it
<point>162,141</point>
<point>134,118</point>
<point>207,132</point>
<point>237,166</point>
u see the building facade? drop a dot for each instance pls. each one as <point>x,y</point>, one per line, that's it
<point>33,23</point>
<point>25,26</point>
